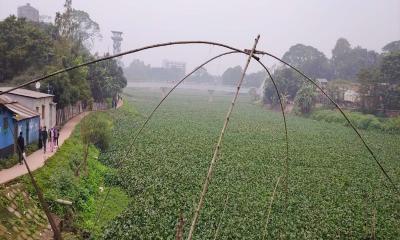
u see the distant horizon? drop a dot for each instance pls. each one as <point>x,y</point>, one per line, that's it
<point>280,24</point>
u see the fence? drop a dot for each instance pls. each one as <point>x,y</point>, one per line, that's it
<point>68,112</point>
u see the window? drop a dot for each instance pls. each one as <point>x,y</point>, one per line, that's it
<point>5,123</point>
<point>37,109</point>
<point>43,111</point>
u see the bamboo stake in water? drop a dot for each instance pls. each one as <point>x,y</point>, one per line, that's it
<point>222,217</point>
<point>270,208</point>
<point>217,148</point>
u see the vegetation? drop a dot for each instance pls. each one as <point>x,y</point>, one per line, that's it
<point>288,84</point>
<point>58,181</point>
<point>310,60</point>
<point>305,99</point>
<point>380,86</point>
<point>335,189</point>
<point>13,159</point>
<point>360,120</point>
<point>374,76</point>
<point>30,50</point>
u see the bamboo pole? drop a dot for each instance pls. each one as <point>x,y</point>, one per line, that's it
<point>218,147</point>
<point>270,208</point>
<point>45,207</point>
<point>221,218</point>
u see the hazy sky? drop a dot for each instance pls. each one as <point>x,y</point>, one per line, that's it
<point>281,24</point>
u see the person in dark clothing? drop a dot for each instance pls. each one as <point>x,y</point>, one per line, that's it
<point>43,134</point>
<point>56,135</point>
<point>21,147</point>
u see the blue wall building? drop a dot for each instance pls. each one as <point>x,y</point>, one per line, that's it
<point>16,118</point>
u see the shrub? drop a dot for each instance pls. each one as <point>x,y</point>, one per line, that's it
<point>96,129</point>
<point>361,121</point>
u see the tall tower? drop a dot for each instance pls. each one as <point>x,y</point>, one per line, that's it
<point>117,39</point>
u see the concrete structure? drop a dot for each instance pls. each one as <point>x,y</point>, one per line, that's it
<point>38,102</point>
<point>178,67</point>
<point>28,12</point>
<point>16,118</point>
<point>322,82</point>
<point>351,96</point>
<point>117,39</point>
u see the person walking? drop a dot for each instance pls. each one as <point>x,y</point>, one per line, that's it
<point>57,135</point>
<point>50,137</point>
<point>21,147</point>
<point>44,138</point>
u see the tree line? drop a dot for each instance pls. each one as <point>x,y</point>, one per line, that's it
<point>375,76</point>
<point>31,49</point>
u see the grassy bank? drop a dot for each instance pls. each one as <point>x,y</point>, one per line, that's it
<point>59,180</point>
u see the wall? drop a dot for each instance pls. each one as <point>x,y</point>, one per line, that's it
<point>49,119</point>
<point>6,135</point>
<point>30,130</point>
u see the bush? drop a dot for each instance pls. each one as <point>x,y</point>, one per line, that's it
<point>96,129</point>
<point>359,120</point>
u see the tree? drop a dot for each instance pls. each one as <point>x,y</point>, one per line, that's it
<point>201,76</point>
<point>390,68</point>
<point>288,83</point>
<point>106,79</point>
<point>311,61</point>
<point>305,99</point>
<point>95,129</point>
<point>341,49</point>
<point>254,79</point>
<point>371,89</point>
<point>137,70</point>
<point>23,45</point>
<point>347,62</point>
<point>232,75</point>
<point>77,26</point>
<point>392,47</point>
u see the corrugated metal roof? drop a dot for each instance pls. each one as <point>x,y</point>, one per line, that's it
<point>21,111</point>
<point>26,93</point>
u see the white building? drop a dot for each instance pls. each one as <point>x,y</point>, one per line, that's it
<point>351,96</point>
<point>41,103</point>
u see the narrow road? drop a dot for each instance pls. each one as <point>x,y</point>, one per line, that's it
<point>37,159</point>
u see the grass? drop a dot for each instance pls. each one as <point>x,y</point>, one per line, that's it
<point>334,185</point>
<point>58,180</point>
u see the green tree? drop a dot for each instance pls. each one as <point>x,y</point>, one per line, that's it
<point>77,26</point>
<point>232,75</point>
<point>23,45</point>
<point>201,76</point>
<point>392,47</point>
<point>347,62</point>
<point>305,99</point>
<point>310,60</point>
<point>106,79</point>
<point>288,83</point>
<point>95,129</point>
<point>390,68</point>
<point>371,89</point>
<point>255,79</point>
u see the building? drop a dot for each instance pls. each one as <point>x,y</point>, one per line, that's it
<point>38,102</point>
<point>322,82</point>
<point>178,67</point>
<point>351,96</point>
<point>28,12</point>
<point>16,118</point>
